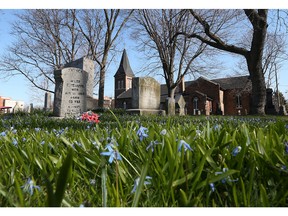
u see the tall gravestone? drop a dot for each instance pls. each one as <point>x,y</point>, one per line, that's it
<point>70,92</point>
<point>145,96</point>
<point>47,101</point>
<point>73,85</point>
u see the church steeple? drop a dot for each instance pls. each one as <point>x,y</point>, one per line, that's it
<point>122,79</point>
<point>124,67</point>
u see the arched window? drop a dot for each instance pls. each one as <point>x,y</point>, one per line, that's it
<point>238,101</point>
<point>195,103</point>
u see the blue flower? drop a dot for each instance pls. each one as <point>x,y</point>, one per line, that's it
<point>224,180</point>
<point>14,142</point>
<point>29,186</point>
<point>212,186</point>
<point>185,145</point>
<point>113,154</point>
<point>152,145</point>
<point>23,139</point>
<point>37,129</point>
<point>3,133</point>
<point>92,181</point>
<point>286,147</point>
<point>142,133</point>
<point>163,132</point>
<point>136,183</point>
<point>236,150</point>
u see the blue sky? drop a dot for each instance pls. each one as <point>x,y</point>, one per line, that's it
<point>17,88</point>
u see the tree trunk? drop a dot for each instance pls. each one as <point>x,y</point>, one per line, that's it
<point>101,88</point>
<point>258,87</point>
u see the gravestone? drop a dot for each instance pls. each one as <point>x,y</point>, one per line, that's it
<point>270,108</point>
<point>30,108</point>
<point>70,92</point>
<point>88,66</point>
<point>282,110</point>
<point>47,101</point>
<point>74,88</point>
<point>145,96</point>
<point>170,106</point>
<point>180,104</point>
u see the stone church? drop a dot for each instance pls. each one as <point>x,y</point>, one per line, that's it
<point>225,96</point>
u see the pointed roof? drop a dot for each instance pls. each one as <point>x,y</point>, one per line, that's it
<point>124,67</point>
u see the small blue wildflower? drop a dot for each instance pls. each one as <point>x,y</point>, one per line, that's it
<point>113,154</point>
<point>212,186</point>
<point>163,132</point>
<point>286,147</point>
<point>152,145</point>
<point>224,180</point>
<point>198,132</point>
<point>92,181</point>
<point>14,142</point>
<point>236,150</point>
<point>216,127</point>
<point>185,145</point>
<point>29,186</point>
<point>23,139</point>
<point>136,183</point>
<point>42,143</point>
<point>37,129</point>
<point>14,131</point>
<point>3,133</point>
<point>142,133</point>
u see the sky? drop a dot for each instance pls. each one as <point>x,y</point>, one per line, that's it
<point>17,88</point>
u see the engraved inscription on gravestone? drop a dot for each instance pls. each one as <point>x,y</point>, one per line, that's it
<point>70,92</point>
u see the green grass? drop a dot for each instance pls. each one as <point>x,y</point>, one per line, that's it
<point>63,157</point>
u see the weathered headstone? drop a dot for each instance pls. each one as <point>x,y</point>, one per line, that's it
<point>70,92</point>
<point>47,101</point>
<point>170,106</point>
<point>180,104</point>
<point>270,108</point>
<point>282,110</point>
<point>145,93</point>
<point>30,108</point>
<point>145,96</point>
<point>74,88</point>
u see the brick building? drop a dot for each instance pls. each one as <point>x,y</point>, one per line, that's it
<point>225,96</point>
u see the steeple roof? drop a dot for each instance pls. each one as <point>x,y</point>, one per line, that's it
<point>124,67</point>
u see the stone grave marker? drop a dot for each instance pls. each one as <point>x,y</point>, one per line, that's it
<point>47,101</point>
<point>145,96</point>
<point>70,92</point>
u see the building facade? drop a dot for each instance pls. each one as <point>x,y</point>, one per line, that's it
<point>225,96</point>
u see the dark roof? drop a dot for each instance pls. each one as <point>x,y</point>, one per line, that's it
<point>125,94</point>
<point>124,67</point>
<point>233,82</point>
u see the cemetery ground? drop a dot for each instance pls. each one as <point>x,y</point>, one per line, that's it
<point>152,161</point>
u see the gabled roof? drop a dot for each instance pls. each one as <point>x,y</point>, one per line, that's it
<point>124,67</point>
<point>125,94</point>
<point>233,82</point>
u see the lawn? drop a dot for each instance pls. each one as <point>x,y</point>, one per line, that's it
<point>148,161</point>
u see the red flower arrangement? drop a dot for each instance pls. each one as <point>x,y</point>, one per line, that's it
<point>90,117</point>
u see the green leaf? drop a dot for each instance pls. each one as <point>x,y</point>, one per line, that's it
<point>63,178</point>
<point>140,185</point>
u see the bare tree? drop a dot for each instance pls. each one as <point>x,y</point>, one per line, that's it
<point>101,28</point>
<point>257,19</point>
<point>155,31</point>
<point>44,41</point>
